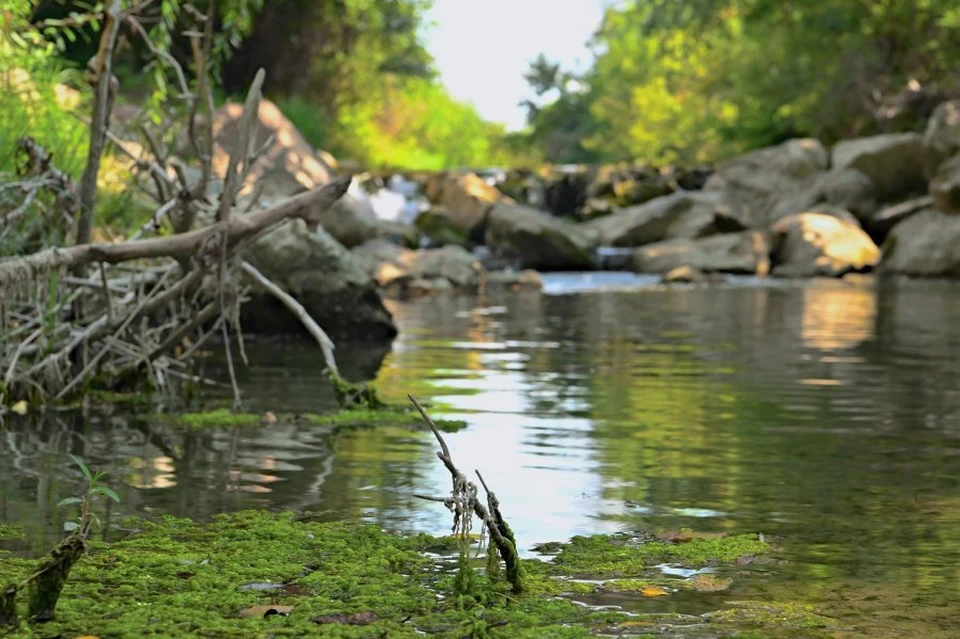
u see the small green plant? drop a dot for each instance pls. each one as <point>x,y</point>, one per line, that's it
<point>95,489</point>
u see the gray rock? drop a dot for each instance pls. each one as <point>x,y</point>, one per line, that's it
<point>537,239</point>
<point>464,199</point>
<point>892,161</point>
<point>324,277</point>
<point>850,189</point>
<point>945,186</point>
<point>941,140</point>
<point>927,244</point>
<point>757,182</point>
<point>739,253</point>
<point>679,215</point>
<point>396,268</point>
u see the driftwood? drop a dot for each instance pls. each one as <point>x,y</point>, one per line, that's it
<point>463,503</point>
<point>149,301</point>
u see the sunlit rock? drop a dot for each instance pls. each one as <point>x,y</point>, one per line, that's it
<point>811,244</point>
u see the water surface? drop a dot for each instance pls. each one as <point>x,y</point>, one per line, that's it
<point>823,414</point>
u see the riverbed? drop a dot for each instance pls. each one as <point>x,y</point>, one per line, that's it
<point>823,414</point>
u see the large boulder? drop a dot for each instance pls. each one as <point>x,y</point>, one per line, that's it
<point>463,199</point>
<point>941,140</point>
<point>850,189</point>
<point>402,271</point>
<point>813,244</point>
<point>324,277</point>
<point>945,186</point>
<point>680,215</point>
<point>757,182</point>
<point>744,253</point>
<point>537,239</point>
<point>288,165</point>
<point>891,161</point>
<point>925,245</point>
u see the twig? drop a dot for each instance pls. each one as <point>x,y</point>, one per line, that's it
<point>104,80</point>
<point>501,535</point>
<point>326,344</point>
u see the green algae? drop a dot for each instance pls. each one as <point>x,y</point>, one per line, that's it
<point>344,419</point>
<point>784,616</point>
<point>176,578</point>
<point>387,416</point>
<point>623,555</point>
<point>173,577</point>
<point>11,533</point>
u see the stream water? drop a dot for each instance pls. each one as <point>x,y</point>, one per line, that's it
<point>824,414</point>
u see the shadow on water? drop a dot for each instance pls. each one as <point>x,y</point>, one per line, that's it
<point>824,413</point>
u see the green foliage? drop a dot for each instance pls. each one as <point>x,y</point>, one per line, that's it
<point>413,123</point>
<point>29,75</point>
<point>696,81</point>
<point>95,490</point>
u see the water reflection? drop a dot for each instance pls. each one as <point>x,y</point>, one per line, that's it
<point>826,413</point>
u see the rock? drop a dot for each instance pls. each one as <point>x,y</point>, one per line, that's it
<point>437,226</point>
<point>881,223</point>
<point>324,277</point>
<point>833,210</point>
<point>850,189</point>
<point>403,271</point>
<point>757,182</point>
<point>941,140</point>
<point>628,185</point>
<point>684,275</point>
<point>289,165</point>
<point>352,222</point>
<point>813,244</point>
<point>464,199</point>
<point>925,245</point>
<point>891,161</point>
<point>565,194</point>
<point>945,186</point>
<point>527,280</point>
<point>680,215</point>
<point>739,253</point>
<point>537,239</point>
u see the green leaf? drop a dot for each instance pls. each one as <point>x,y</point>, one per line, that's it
<point>106,490</point>
<point>70,526</point>
<point>83,467</point>
<point>68,501</point>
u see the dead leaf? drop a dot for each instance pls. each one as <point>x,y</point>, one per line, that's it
<point>353,619</point>
<point>268,418</point>
<point>706,582</point>
<point>653,591</point>
<point>265,611</point>
<point>20,408</point>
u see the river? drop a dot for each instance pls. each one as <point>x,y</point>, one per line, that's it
<point>824,414</point>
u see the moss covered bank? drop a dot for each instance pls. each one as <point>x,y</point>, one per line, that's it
<point>256,574</point>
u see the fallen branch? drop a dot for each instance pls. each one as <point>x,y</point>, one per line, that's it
<point>463,503</point>
<point>307,206</point>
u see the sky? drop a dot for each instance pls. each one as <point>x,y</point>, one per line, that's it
<point>483,48</point>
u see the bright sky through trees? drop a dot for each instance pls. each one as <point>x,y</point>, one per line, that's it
<point>482,49</point>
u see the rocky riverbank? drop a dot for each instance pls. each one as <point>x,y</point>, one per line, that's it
<point>888,204</point>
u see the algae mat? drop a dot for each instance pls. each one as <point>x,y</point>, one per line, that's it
<point>257,574</point>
